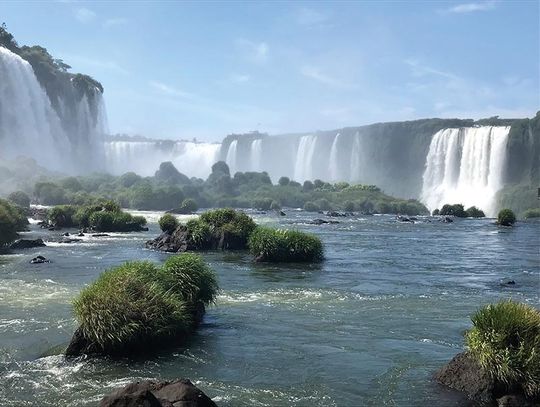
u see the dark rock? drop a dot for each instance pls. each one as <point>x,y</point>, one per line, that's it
<point>464,373</point>
<point>281,213</point>
<point>26,244</point>
<point>446,219</point>
<point>510,282</point>
<point>80,345</point>
<point>100,235</point>
<point>39,260</point>
<point>335,214</point>
<point>80,234</point>
<point>404,219</point>
<point>66,234</point>
<point>144,229</point>
<point>322,222</point>
<point>68,240</point>
<point>178,393</point>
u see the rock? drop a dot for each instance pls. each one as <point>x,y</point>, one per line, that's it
<point>144,229</point>
<point>322,222</point>
<point>281,213</point>
<point>178,393</point>
<point>66,234</point>
<point>404,219</point>
<point>80,234</point>
<point>39,260</point>
<point>446,219</point>
<point>100,235</point>
<point>26,244</point>
<point>68,240</point>
<point>510,282</point>
<point>335,214</point>
<point>464,373</point>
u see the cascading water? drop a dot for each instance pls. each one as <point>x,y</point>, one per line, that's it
<point>144,157</point>
<point>28,123</point>
<point>303,165</point>
<point>333,166</point>
<point>256,155</point>
<point>355,159</point>
<point>231,157</point>
<point>465,166</point>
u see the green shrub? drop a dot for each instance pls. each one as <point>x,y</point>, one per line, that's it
<point>279,245</point>
<point>311,207</point>
<point>61,216</point>
<point>453,210</point>
<point>12,220</point>
<point>82,215</point>
<point>435,212</point>
<point>168,223</point>
<point>531,213</point>
<point>506,217</point>
<point>127,304</point>
<point>505,340</point>
<point>188,206</point>
<point>474,212</point>
<point>116,222</point>
<point>19,198</point>
<point>323,204</point>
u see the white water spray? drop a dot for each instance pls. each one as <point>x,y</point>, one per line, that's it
<point>303,166</point>
<point>231,157</point>
<point>333,165</point>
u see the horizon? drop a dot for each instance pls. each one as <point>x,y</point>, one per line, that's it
<point>277,69</point>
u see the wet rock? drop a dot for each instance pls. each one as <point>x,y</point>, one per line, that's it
<point>178,393</point>
<point>39,260</point>
<point>100,235</point>
<point>66,234</point>
<point>80,234</point>
<point>26,244</point>
<point>404,219</point>
<point>281,213</point>
<point>335,214</point>
<point>464,373</point>
<point>68,240</point>
<point>322,222</point>
<point>446,219</point>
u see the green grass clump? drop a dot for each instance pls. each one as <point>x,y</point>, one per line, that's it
<point>474,212</point>
<point>168,223</point>
<point>61,216</point>
<point>224,220</point>
<point>531,213</point>
<point>105,221</point>
<point>506,217</point>
<point>280,245</point>
<point>505,340</point>
<point>138,302</point>
<point>12,220</point>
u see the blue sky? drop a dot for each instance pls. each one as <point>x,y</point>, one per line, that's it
<point>206,69</point>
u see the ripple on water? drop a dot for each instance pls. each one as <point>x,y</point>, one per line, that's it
<point>24,294</point>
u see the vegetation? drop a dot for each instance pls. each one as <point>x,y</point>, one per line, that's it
<point>453,210</point>
<point>474,212</point>
<point>505,340</point>
<point>188,206</point>
<point>279,245</point>
<point>531,213</point>
<point>12,220</point>
<point>168,223</point>
<point>19,198</point>
<point>139,302</point>
<point>519,197</point>
<point>436,212</point>
<point>104,217</point>
<point>506,217</point>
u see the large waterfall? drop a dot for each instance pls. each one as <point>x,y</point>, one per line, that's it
<point>144,157</point>
<point>465,165</point>
<point>62,133</point>
<point>303,165</point>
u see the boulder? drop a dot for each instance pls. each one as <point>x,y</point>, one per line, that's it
<point>39,259</point>
<point>321,222</point>
<point>177,393</point>
<point>464,373</point>
<point>26,244</point>
<point>335,214</point>
<point>99,235</point>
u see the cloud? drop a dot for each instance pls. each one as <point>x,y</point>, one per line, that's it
<point>418,69</point>
<point>85,15</point>
<point>240,78</point>
<point>113,22</point>
<point>316,74</point>
<point>169,90</point>
<point>256,52</point>
<point>308,17</point>
<point>84,63</point>
<point>471,7</point>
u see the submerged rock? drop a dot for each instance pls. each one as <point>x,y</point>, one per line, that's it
<point>322,222</point>
<point>26,244</point>
<point>69,240</point>
<point>39,259</point>
<point>464,373</point>
<point>178,393</point>
<point>100,235</point>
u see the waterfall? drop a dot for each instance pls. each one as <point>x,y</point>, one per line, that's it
<point>333,165</point>
<point>355,159</point>
<point>256,155</point>
<point>144,157</point>
<point>231,157</point>
<point>303,165</point>
<point>465,166</point>
<point>28,123</point>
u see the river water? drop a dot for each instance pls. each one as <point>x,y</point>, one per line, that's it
<point>369,326</point>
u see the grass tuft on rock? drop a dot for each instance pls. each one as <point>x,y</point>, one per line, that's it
<point>281,245</point>
<point>505,340</point>
<point>168,223</point>
<point>506,217</point>
<point>138,302</point>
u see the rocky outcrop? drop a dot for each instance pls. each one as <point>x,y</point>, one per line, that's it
<point>178,393</point>
<point>26,244</point>
<point>39,260</point>
<point>464,373</point>
<point>180,241</point>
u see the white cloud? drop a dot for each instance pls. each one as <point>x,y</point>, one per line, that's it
<point>113,22</point>
<point>472,7</point>
<point>418,69</point>
<point>169,90</point>
<point>240,78</point>
<point>84,63</point>
<point>85,15</point>
<point>316,74</point>
<point>306,16</point>
<point>254,51</point>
